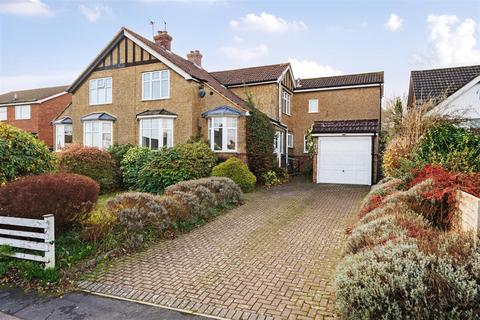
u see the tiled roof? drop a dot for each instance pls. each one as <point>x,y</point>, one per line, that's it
<point>441,83</point>
<point>98,116</point>
<point>222,111</point>
<point>191,69</point>
<point>250,75</point>
<point>158,112</point>
<point>340,81</point>
<point>346,126</point>
<point>64,120</point>
<point>30,95</point>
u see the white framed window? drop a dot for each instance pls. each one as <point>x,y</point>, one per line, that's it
<point>286,102</point>
<point>97,134</point>
<point>290,140</point>
<point>3,113</point>
<point>22,112</point>
<point>222,134</point>
<point>156,133</point>
<point>100,91</point>
<point>156,85</point>
<point>278,142</point>
<point>63,135</point>
<point>312,105</point>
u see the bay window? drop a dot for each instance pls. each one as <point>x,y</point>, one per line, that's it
<point>156,85</point>
<point>63,135</point>
<point>286,102</point>
<point>156,133</point>
<point>278,142</point>
<point>100,91</point>
<point>222,134</point>
<point>97,134</point>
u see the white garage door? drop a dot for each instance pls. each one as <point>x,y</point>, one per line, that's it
<point>345,160</point>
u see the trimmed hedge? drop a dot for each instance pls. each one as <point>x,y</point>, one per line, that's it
<point>238,171</point>
<point>69,197</point>
<point>22,154</point>
<point>90,162</point>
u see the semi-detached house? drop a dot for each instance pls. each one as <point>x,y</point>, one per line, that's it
<point>138,91</point>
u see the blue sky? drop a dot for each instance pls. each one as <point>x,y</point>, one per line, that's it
<point>44,43</point>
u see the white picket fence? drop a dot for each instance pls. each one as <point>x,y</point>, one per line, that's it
<point>47,235</point>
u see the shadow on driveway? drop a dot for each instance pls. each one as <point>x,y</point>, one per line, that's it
<point>79,306</point>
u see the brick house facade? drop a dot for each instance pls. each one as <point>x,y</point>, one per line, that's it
<point>34,110</point>
<point>189,101</point>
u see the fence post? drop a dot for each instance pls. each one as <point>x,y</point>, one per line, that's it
<point>50,240</point>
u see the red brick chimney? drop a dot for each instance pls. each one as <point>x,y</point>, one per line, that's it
<point>163,39</point>
<point>195,57</point>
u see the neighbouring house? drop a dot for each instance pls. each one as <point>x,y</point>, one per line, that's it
<point>34,110</point>
<point>139,91</point>
<point>453,90</point>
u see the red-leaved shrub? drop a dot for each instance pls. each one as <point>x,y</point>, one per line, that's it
<point>69,197</point>
<point>443,192</point>
<point>90,162</point>
<point>374,201</point>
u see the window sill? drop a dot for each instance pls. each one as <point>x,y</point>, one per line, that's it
<point>287,114</point>
<point>100,104</point>
<point>225,151</point>
<point>145,100</point>
<point>312,111</point>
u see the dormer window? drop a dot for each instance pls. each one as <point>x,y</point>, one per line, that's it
<point>156,85</point>
<point>100,91</point>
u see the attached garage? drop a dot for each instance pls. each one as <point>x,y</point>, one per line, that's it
<point>345,151</point>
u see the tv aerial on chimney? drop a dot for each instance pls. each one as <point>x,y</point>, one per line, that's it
<point>152,23</point>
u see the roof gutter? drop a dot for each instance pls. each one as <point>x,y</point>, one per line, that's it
<point>340,87</point>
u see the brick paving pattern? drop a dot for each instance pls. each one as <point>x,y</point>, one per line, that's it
<point>271,258</point>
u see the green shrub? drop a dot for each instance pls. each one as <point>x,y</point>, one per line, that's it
<point>260,136</point>
<point>238,171</point>
<point>133,161</point>
<point>69,197</point>
<point>454,148</point>
<point>22,154</point>
<point>118,151</point>
<point>198,157</point>
<point>90,162</point>
<point>163,168</point>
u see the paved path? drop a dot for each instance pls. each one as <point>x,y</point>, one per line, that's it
<point>272,258</point>
<point>15,305</point>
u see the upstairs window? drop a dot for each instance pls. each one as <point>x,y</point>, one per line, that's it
<point>3,114</point>
<point>313,106</point>
<point>22,112</point>
<point>286,102</point>
<point>100,91</point>
<point>156,85</point>
<point>156,133</point>
<point>222,134</point>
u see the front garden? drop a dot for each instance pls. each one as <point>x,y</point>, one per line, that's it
<point>111,203</point>
<point>407,257</point>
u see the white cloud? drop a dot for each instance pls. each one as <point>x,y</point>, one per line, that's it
<point>451,41</point>
<point>245,54</point>
<point>311,69</point>
<point>267,23</point>
<point>96,12</point>
<point>394,23</point>
<point>25,8</point>
<point>31,81</point>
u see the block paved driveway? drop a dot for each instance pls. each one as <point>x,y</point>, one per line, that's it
<point>271,258</point>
